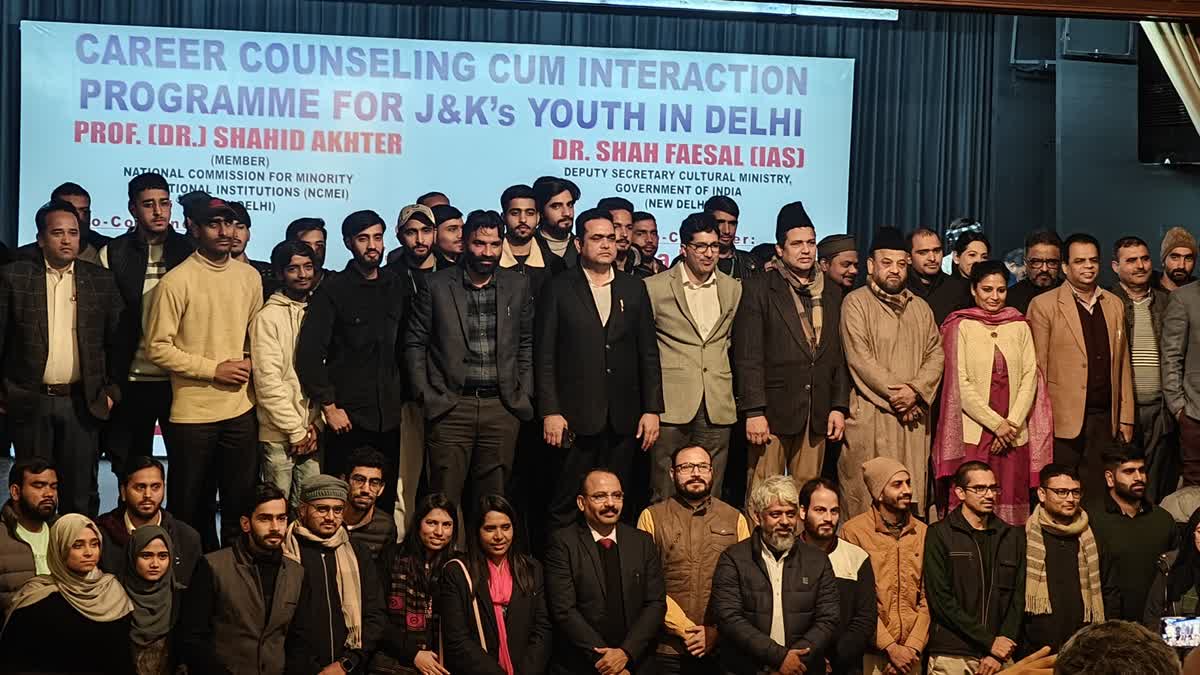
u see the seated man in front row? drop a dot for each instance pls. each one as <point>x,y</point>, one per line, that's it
<point>775,598</point>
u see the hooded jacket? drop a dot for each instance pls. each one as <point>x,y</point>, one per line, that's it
<point>284,412</point>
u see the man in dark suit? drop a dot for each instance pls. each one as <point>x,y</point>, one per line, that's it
<point>469,351</point>
<point>596,365</point>
<point>604,587</point>
<point>792,386</point>
<point>58,322</point>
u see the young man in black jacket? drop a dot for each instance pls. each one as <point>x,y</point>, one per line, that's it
<point>974,567</point>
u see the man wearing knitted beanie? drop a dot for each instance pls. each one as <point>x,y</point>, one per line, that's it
<point>896,542</point>
<point>1178,255</point>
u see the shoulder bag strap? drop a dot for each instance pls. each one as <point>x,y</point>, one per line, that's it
<point>474,602</point>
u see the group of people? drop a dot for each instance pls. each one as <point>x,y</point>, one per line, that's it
<point>389,445</point>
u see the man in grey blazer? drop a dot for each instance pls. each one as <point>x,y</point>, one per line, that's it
<point>1180,350</point>
<point>469,351</point>
<point>694,305</point>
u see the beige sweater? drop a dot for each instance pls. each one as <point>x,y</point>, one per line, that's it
<point>200,318</point>
<point>284,412</point>
<point>976,351</point>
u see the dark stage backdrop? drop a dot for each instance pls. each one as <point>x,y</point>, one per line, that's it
<point>922,141</point>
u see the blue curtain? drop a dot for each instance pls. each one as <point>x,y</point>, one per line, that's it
<point>922,110</point>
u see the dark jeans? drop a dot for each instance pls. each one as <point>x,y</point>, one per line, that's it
<point>130,430</point>
<point>61,430</point>
<point>206,457</point>
<point>608,450</point>
<point>475,441</point>
<point>1156,433</point>
<point>1084,451</point>
<point>686,664</point>
<point>339,446</point>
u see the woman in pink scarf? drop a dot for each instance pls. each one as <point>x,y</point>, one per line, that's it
<point>493,604</point>
<point>994,406</point>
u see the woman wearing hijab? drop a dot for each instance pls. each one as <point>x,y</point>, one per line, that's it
<point>410,640</point>
<point>994,406</point>
<point>493,604</point>
<point>73,620</point>
<point>149,581</point>
<point>1176,587</point>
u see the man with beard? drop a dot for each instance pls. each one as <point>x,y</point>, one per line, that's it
<point>894,353</point>
<point>242,599</point>
<point>1079,334</point>
<point>820,513</point>
<point>1180,348</point>
<point>645,238</point>
<point>1145,307</point>
<point>1064,590</point>
<point>837,254</point>
<point>198,333</point>
<point>26,519</point>
<point>895,539</point>
<point>373,528</point>
<point>241,238</point>
<point>629,257</point>
<point>58,328</point>
<point>1131,531</point>
<point>469,351</point>
<point>732,261</point>
<point>523,251</point>
<point>349,357</point>
<point>140,504</point>
<point>792,386</point>
<point>597,372</point>
<point>690,530</point>
<point>1043,264</point>
<point>414,260</point>
<point>760,630</point>
<point>927,280</point>
<point>312,232</point>
<point>694,306</point>
<point>975,577</point>
<point>604,587</point>
<point>448,238</point>
<point>555,200</point>
<point>1178,254</point>
<point>340,614</point>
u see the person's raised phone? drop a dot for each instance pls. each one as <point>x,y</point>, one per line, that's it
<point>1181,631</point>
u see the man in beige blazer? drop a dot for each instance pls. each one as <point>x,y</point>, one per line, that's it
<point>1079,334</point>
<point>694,305</point>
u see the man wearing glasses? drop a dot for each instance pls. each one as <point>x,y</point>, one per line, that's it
<point>1064,588</point>
<point>604,587</point>
<point>691,529</point>
<point>374,528</point>
<point>975,578</point>
<point>1043,267</point>
<point>694,305</point>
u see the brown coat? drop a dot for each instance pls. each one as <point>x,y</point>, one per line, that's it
<point>1057,332</point>
<point>899,579</point>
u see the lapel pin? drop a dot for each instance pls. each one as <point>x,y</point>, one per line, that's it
<point>622,301</point>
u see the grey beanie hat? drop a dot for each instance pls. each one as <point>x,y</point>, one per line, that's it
<point>323,486</point>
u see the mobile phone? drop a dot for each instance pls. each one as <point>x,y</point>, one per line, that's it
<point>1181,631</point>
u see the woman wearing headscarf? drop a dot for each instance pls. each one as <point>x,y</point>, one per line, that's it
<point>149,581</point>
<point>994,406</point>
<point>73,620</point>
<point>1176,587</point>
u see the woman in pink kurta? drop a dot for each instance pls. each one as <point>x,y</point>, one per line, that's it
<point>994,407</point>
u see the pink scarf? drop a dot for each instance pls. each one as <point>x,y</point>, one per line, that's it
<point>948,450</point>
<point>500,587</point>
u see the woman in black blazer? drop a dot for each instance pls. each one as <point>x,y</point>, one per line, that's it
<point>492,603</point>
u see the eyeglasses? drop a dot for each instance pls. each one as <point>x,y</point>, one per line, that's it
<point>601,497</point>
<point>694,467</point>
<point>1044,262</point>
<point>981,490</point>
<point>1062,493</point>
<point>714,247</point>
<point>359,481</point>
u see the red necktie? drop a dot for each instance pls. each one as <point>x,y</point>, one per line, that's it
<point>607,543</point>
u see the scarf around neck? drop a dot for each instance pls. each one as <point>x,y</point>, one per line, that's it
<point>349,584</point>
<point>152,610</point>
<point>1037,590</point>
<point>895,302</point>
<point>811,288</point>
<point>500,588</point>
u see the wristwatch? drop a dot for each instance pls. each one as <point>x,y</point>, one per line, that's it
<point>346,663</point>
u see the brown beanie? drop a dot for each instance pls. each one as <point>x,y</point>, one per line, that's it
<point>878,472</point>
<point>1177,237</point>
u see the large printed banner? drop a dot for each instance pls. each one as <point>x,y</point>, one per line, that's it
<point>316,125</point>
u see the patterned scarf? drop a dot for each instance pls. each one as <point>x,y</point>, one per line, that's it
<point>810,288</point>
<point>410,592</point>
<point>1037,591</point>
<point>895,302</point>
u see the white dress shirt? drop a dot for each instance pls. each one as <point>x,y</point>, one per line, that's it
<point>775,574</point>
<point>602,294</point>
<point>62,355</point>
<point>702,302</point>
